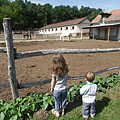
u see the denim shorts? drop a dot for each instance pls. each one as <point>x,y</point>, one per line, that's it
<point>60,97</point>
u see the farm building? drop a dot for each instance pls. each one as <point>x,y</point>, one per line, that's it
<point>72,26</point>
<point>106,26</point>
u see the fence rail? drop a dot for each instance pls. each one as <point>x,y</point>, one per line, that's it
<point>3,50</point>
<point>42,82</point>
<point>12,55</point>
<point>63,51</point>
<point>60,50</point>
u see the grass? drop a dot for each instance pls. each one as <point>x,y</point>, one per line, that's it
<point>107,107</point>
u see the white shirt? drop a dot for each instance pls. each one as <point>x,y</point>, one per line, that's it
<point>61,82</point>
<point>88,93</point>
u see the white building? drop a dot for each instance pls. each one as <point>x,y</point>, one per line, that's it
<point>72,26</point>
<point>106,26</point>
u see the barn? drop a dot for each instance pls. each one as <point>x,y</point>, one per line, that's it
<point>106,26</point>
<point>72,26</point>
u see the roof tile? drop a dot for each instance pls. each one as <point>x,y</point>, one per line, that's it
<point>60,24</point>
<point>115,15</point>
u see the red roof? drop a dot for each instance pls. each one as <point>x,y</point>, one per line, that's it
<point>65,23</point>
<point>115,15</point>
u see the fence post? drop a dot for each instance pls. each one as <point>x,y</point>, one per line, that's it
<point>119,72</point>
<point>10,52</point>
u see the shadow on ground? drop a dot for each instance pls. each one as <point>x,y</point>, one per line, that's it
<point>100,104</point>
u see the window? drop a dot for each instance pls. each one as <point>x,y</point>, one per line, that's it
<point>61,28</point>
<point>72,27</point>
<point>56,29</point>
<point>66,28</point>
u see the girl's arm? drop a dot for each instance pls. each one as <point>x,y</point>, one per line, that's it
<point>52,84</point>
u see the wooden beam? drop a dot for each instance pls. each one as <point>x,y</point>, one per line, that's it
<point>81,33</point>
<point>119,72</point>
<point>108,34</point>
<point>5,85</point>
<point>63,51</point>
<point>3,50</point>
<point>93,34</point>
<point>10,52</point>
<point>42,82</point>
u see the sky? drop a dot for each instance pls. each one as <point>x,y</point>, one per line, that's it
<point>106,5</point>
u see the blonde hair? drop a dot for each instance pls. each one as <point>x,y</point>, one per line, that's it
<point>59,65</point>
<point>90,76</point>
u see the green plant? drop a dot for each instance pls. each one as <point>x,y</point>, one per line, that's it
<point>47,101</point>
<point>107,82</point>
<point>73,92</point>
<point>100,83</point>
<point>24,108</point>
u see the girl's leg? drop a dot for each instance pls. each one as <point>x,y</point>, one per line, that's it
<point>56,113</point>
<point>63,111</point>
<point>57,100</point>
<point>64,98</point>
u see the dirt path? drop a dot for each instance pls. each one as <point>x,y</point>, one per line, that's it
<point>38,68</point>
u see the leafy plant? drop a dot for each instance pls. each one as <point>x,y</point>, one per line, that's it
<point>47,101</point>
<point>107,82</point>
<point>73,92</point>
<point>23,108</point>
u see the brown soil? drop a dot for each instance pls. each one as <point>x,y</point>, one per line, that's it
<point>38,68</point>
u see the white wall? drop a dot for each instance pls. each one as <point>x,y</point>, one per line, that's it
<point>59,31</point>
<point>83,24</point>
<point>96,31</point>
<point>77,28</point>
<point>113,31</point>
<point>102,33</point>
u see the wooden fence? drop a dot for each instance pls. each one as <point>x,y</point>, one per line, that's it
<point>12,55</point>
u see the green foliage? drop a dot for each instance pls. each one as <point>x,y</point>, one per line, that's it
<point>27,15</point>
<point>26,106</point>
<point>106,83</point>
<point>74,92</point>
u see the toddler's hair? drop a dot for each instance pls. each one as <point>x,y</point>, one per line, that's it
<point>59,65</point>
<point>90,76</point>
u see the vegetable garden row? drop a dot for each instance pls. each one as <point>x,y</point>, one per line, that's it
<point>24,108</point>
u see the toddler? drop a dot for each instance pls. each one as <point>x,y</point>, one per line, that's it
<point>88,93</point>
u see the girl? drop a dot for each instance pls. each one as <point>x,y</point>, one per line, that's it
<point>59,83</point>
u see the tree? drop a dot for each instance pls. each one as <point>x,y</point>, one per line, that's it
<point>46,14</point>
<point>61,13</point>
<point>26,15</point>
<point>89,12</point>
